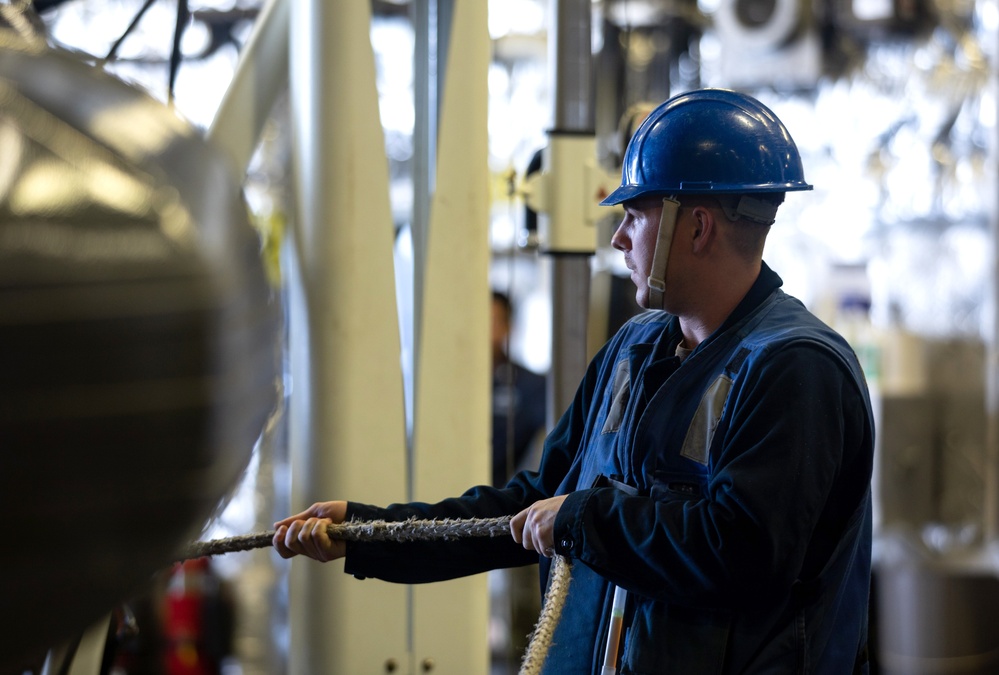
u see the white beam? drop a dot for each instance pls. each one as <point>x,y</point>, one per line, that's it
<point>347,429</point>
<point>451,433</point>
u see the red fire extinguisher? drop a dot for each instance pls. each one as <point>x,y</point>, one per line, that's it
<point>196,622</point>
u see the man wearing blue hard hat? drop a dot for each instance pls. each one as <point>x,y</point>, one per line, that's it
<point>710,482</point>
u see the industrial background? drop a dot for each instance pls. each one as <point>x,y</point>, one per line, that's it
<point>246,249</point>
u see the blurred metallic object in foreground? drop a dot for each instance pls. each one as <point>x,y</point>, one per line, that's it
<point>138,341</point>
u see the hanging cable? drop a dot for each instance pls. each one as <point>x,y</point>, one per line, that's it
<point>113,52</point>
<point>183,15</point>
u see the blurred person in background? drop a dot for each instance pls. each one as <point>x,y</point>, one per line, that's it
<point>518,399</point>
<point>518,404</point>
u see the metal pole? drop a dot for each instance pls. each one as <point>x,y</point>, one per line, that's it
<point>991,498</point>
<point>425,100</point>
<point>571,55</point>
<point>431,25</point>
<point>572,77</point>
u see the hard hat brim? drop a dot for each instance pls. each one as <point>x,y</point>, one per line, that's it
<point>628,192</point>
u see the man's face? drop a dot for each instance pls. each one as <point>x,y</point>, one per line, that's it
<point>636,238</point>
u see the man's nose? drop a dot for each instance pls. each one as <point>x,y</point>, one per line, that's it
<point>618,239</point>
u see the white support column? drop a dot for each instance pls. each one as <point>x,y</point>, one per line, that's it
<point>260,78</point>
<point>453,390</point>
<point>347,433</point>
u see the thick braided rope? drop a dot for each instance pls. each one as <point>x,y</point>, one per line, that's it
<point>551,611</point>
<point>447,529</point>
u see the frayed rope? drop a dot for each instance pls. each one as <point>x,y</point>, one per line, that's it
<point>414,529</point>
<point>551,611</point>
<point>447,529</point>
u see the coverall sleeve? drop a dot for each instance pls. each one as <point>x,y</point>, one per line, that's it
<point>790,468</point>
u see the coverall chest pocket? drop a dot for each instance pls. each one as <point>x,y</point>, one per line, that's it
<point>619,394</point>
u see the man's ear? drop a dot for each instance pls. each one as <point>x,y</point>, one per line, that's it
<point>703,228</point>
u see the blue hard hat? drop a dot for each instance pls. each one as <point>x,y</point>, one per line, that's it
<point>710,141</point>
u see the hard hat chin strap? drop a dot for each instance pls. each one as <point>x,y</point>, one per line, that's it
<point>664,240</point>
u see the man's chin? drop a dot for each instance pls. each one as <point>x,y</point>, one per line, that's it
<point>642,298</point>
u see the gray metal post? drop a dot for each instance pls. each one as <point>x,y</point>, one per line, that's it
<point>991,498</point>
<point>572,77</point>
<point>425,102</point>
<point>432,27</point>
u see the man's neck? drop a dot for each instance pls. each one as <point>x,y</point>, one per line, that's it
<point>725,295</point>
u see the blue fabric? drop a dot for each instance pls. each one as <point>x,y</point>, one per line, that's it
<point>744,538</point>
